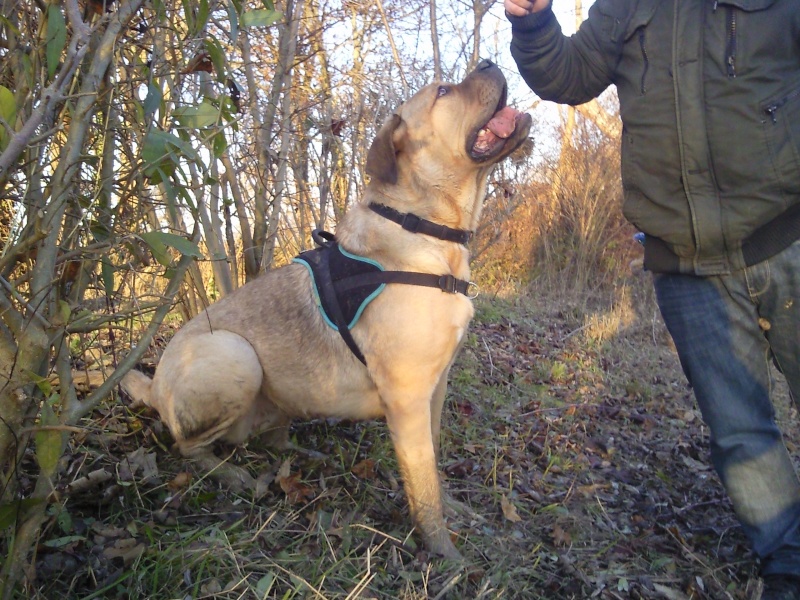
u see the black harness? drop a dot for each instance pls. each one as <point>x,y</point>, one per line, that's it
<point>345,283</point>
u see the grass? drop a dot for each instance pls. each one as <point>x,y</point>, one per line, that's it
<point>570,441</point>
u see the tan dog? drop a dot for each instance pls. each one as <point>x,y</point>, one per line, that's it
<point>263,355</point>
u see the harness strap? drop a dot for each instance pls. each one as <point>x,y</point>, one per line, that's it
<point>414,224</point>
<point>326,287</point>
<point>446,283</point>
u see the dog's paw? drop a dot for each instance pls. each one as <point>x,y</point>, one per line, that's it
<point>445,548</point>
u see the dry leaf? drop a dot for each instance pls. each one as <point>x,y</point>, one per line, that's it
<point>94,479</point>
<point>561,538</point>
<point>296,491</point>
<point>211,588</point>
<point>365,469</point>
<point>200,62</point>
<point>144,464</point>
<point>509,510</point>
<point>181,481</point>
<point>128,550</point>
<point>693,464</point>
<point>285,470</point>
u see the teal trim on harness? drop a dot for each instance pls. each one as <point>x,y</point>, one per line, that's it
<point>378,288</point>
<point>316,292</point>
<point>374,294</point>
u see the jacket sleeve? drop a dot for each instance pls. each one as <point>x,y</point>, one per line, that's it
<point>568,70</point>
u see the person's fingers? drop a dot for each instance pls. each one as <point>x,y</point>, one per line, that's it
<point>518,8</point>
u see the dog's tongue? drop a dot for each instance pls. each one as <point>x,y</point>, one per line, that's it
<point>503,123</point>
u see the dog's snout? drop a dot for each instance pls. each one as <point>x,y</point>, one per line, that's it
<point>484,64</point>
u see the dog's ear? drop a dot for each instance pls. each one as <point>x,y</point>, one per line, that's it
<point>382,155</point>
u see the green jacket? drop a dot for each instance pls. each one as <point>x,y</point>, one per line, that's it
<point>709,96</point>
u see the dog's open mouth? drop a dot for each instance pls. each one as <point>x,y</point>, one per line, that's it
<point>491,138</point>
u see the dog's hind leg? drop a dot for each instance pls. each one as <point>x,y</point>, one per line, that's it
<point>205,389</point>
<point>273,431</point>
<point>231,476</point>
<point>137,385</point>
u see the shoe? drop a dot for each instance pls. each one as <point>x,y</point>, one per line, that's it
<point>781,587</point>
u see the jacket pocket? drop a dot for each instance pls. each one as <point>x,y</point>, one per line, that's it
<point>747,5</point>
<point>782,127</point>
<point>626,23</point>
<point>731,42</point>
<point>619,24</point>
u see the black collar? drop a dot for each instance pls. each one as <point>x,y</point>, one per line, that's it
<point>414,224</point>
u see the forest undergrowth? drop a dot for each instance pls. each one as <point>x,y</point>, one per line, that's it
<point>572,448</point>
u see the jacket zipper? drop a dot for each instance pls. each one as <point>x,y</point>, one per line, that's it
<point>645,59</point>
<point>772,109</point>
<point>730,51</point>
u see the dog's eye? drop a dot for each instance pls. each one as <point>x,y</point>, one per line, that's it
<point>442,91</point>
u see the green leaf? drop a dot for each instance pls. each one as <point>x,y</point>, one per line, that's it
<point>43,383</point>
<point>8,112</point>
<point>9,25</point>
<point>264,585</point>
<point>202,115</point>
<point>202,15</point>
<point>233,19</point>
<point>107,271</point>
<point>158,152</point>
<point>219,143</point>
<point>64,311</point>
<point>64,519</point>
<point>189,16</point>
<point>64,541</point>
<point>217,55</point>
<point>48,442</point>
<point>181,244</point>
<point>158,247</point>
<point>10,512</point>
<point>152,101</point>
<point>160,240</point>
<point>56,38</point>
<point>184,148</point>
<point>260,18</point>
<point>162,151</point>
<point>184,194</point>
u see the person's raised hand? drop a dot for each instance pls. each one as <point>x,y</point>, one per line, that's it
<point>521,8</point>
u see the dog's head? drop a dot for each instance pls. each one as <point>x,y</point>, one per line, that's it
<point>449,131</point>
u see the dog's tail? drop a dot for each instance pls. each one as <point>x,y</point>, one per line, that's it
<point>137,385</point>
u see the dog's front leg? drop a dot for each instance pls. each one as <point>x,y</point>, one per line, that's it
<point>451,507</point>
<point>410,426</point>
<point>437,405</point>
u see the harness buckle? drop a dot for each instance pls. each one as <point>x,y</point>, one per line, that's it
<point>447,283</point>
<point>411,222</point>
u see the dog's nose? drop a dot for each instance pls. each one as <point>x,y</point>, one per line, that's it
<point>484,64</point>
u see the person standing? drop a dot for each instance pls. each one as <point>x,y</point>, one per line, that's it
<point>709,94</point>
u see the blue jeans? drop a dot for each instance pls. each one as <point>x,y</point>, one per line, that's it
<point>727,329</point>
